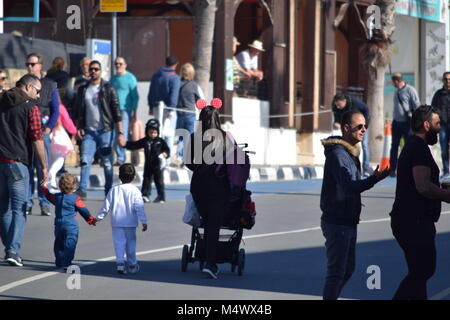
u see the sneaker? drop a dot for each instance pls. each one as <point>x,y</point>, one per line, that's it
<point>121,269</point>
<point>28,211</point>
<point>146,199</point>
<point>211,271</point>
<point>133,269</point>
<point>81,194</point>
<point>392,174</point>
<point>158,200</point>
<point>45,211</point>
<point>14,259</point>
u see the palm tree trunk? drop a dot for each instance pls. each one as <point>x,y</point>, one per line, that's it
<point>375,99</point>
<point>205,16</point>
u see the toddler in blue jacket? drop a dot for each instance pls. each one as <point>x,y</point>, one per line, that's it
<point>67,204</point>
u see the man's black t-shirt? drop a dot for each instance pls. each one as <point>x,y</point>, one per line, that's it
<point>408,202</point>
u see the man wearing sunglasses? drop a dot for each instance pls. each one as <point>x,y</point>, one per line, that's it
<point>97,114</point>
<point>48,104</point>
<point>20,131</point>
<point>343,103</point>
<point>441,100</point>
<point>340,200</point>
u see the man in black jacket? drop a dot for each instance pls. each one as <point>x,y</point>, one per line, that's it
<point>340,200</point>
<point>441,101</point>
<point>20,131</point>
<point>97,112</point>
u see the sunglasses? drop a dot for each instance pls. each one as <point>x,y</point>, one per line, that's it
<point>94,69</point>
<point>118,63</point>
<point>3,78</point>
<point>32,64</point>
<point>37,89</point>
<point>446,79</point>
<point>359,127</point>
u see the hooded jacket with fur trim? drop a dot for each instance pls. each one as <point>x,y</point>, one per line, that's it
<point>340,199</point>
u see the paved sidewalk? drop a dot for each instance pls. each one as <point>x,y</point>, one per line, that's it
<point>183,175</point>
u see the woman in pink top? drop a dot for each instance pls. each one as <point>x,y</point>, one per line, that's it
<point>61,144</point>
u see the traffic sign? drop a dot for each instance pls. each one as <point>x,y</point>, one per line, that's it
<point>113,5</point>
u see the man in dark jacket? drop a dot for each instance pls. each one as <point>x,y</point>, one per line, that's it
<point>97,114</point>
<point>21,130</point>
<point>343,103</point>
<point>441,101</point>
<point>49,108</point>
<point>164,91</point>
<point>340,200</point>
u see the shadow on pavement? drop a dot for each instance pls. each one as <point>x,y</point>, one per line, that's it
<point>296,271</point>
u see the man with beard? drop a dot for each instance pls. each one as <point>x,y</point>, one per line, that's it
<point>417,204</point>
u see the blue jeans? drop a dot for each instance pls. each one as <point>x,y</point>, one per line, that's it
<point>399,130</point>
<point>340,245</point>
<point>14,184</point>
<point>66,238</point>
<point>93,140</point>
<point>184,121</point>
<point>126,117</point>
<point>36,166</point>
<point>444,135</point>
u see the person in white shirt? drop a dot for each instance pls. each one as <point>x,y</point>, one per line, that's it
<point>126,206</point>
<point>248,59</point>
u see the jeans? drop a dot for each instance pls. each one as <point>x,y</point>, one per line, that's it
<point>36,166</point>
<point>184,121</point>
<point>340,245</point>
<point>399,130</point>
<point>14,184</point>
<point>66,238</point>
<point>417,240</point>
<point>126,117</point>
<point>93,140</point>
<point>365,150</point>
<point>444,135</point>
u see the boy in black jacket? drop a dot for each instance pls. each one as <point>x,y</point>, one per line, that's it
<point>156,150</point>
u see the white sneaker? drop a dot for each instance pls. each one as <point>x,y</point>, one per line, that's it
<point>146,199</point>
<point>133,269</point>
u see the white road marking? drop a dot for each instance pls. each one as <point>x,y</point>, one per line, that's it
<point>15,284</point>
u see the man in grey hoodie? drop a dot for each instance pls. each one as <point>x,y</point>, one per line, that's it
<point>340,200</point>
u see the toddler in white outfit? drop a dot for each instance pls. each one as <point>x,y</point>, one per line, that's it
<point>126,206</point>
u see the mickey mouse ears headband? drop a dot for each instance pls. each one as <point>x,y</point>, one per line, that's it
<point>215,103</point>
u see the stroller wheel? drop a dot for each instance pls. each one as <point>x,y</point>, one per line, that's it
<point>184,258</point>
<point>241,262</point>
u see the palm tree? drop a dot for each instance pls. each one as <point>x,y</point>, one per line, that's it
<point>377,56</point>
<point>204,22</point>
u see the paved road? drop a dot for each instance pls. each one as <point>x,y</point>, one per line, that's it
<point>285,253</point>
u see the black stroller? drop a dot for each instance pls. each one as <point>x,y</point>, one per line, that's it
<point>242,215</point>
